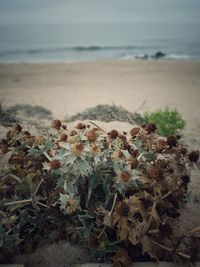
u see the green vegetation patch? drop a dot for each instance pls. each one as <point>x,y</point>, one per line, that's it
<point>168,122</point>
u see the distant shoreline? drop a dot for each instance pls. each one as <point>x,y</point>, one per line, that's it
<point>102,60</point>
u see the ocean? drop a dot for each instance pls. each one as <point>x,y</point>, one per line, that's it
<point>37,43</point>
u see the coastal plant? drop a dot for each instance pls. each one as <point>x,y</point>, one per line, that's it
<point>118,194</point>
<point>168,122</point>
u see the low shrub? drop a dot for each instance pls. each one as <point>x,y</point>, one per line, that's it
<point>168,122</point>
<point>115,193</point>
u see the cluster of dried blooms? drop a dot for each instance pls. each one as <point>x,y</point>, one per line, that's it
<point>119,194</point>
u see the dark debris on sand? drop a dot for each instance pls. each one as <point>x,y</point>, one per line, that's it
<point>28,111</point>
<point>108,113</point>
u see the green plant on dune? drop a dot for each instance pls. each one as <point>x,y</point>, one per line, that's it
<point>168,122</point>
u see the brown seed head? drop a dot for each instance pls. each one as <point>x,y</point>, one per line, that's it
<point>55,164</point>
<point>63,137</point>
<point>95,150</point>
<point>114,134</point>
<point>39,139</point>
<point>26,133</point>
<point>171,141</point>
<point>135,131</point>
<point>77,148</point>
<point>125,176</point>
<point>151,128</point>
<point>56,124</point>
<point>194,156</point>
<point>91,135</point>
<point>155,172</point>
<point>72,133</point>
<point>80,126</point>
<point>123,138</point>
<point>183,150</point>
<point>123,209</point>
<point>16,128</point>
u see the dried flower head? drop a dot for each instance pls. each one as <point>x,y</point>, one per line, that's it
<point>91,135</point>
<point>63,137</point>
<point>171,141</point>
<point>194,156</point>
<point>69,203</point>
<point>80,126</point>
<point>56,124</point>
<point>160,144</point>
<point>39,139</point>
<point>95,150</point>
<point>16,128</point>
<point>133,162</point>
<point>77,148</point>
<point>26,133</point>
<point>123,138</point>
<point>122,209</point>
<point>113,134</point>
<point>117,155</point>
<point>73,133</point>
<point>183,150</point>
<point>55,164</point>
<point>135,131</point>
<point>125,176</point>
<point>155,172</point>
<point>151,128</point>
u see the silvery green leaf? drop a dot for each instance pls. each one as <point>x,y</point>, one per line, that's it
<point>97,159</point>
<point>60,182</point>
<point>70,159</point>
<point>34,152</point>
<point>83,166</point>
<point>138,143</point>
<point>135,174</point>
<point>48,145</point>
<point>148,155</point>
<point>65,145</point>
<point>119,187</point>
<point>126,154</point>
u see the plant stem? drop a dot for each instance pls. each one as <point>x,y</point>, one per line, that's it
<point>186,256</point>
<point>98,127</point>
<point>113,205</point>
<point>18,202</point>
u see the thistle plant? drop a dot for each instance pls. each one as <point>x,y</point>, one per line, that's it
<point>104,190</point>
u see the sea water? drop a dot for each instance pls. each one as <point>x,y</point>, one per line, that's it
<point>37,43</point>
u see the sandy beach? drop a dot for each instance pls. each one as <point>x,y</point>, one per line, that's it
<point>69,88</point>
<point>138,85</point>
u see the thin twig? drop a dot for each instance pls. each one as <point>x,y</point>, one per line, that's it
<point>101,232</point>
<point>41,204</point>
<point>98,127</point>
<point>15,177</point>
<point>113,205</point>
<point>166,195</point>
<point>18,202</point>
<point>186,256</point>
<point>41,181</point>
<point>47,156</point>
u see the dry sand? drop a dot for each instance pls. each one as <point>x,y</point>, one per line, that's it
<point>69,88</point>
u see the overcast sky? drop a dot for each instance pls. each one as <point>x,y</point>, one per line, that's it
<point>80,11</point>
